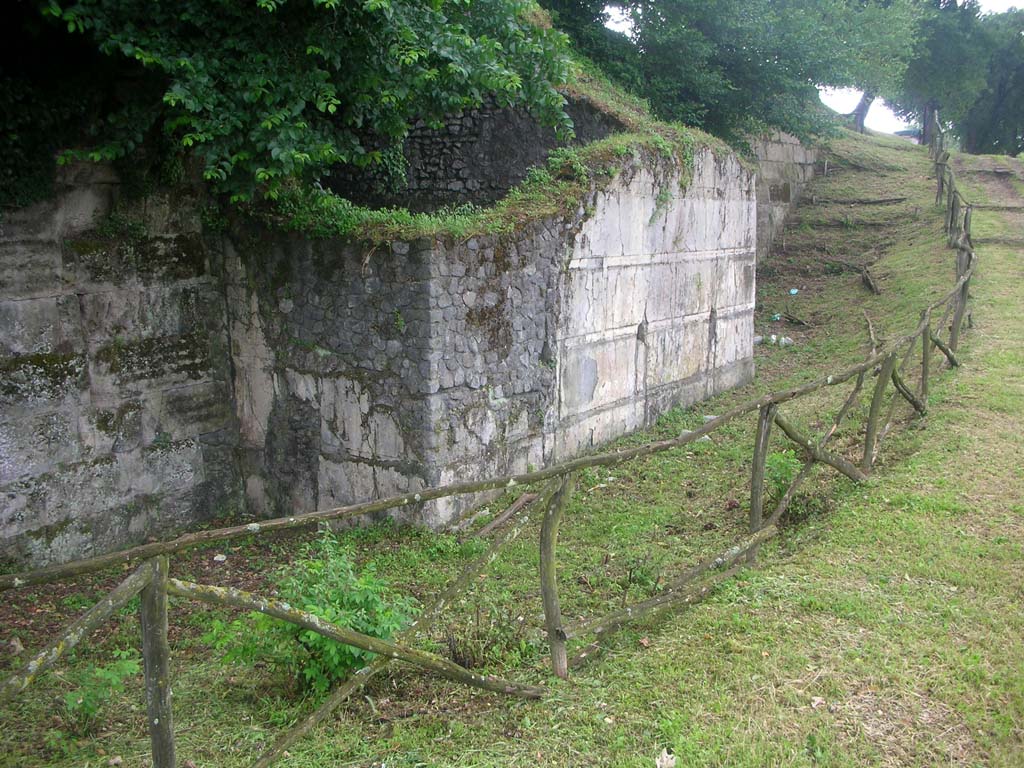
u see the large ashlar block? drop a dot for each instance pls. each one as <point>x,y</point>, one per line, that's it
<point>677,350</point>
<point>31,270</point>
<point>784,167</point>
<point>658,302</point>
<point>116,420</point>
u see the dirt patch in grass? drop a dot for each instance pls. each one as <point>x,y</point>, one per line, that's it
<point>907,728</point>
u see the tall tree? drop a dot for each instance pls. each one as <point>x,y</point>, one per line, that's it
<point>994,122</point>
<point>949,69</point>
<point>879,39</point>
<point>732,66</point>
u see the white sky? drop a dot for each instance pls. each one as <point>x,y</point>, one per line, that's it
<point>843,100</point>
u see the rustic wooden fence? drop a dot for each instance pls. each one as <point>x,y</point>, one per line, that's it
<point>939,328</point>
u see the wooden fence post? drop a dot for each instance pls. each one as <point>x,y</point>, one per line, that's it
<point>766,415</point>
<point>950,194</point>
<point>954,218</point>
<point>926,359</point>
<point>963,263</point>
<point>156,656</point>
<point>549,575</point>
<point>871,431</point>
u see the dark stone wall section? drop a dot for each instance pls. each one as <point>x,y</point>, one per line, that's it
<point>475,158</point>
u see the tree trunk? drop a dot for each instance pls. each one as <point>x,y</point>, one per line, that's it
<point>860,114</point>
<point>929,122</point>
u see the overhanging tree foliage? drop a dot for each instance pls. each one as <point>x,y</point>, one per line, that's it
<point>879,39</point>
<point>949,67</point>
<point>270,90</point>
<point>733,66</point>
<point>994,123</point>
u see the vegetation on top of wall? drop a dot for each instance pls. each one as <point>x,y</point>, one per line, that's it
<point>262,131</point>
<point>553,188</point>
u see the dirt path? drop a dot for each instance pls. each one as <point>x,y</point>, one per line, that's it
<point>995,377</point>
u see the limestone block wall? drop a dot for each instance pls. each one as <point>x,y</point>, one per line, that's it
<point>433,362</point>
<point>659,299</point>
<point>115,414</point>
<point>784,167</point>
<point>153,375</point>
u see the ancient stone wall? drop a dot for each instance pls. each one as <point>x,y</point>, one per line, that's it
<point>432,362</point>
<point>153,375</point>
<point>784,167</point>
<point>116,421</point>
<point>659,299</point>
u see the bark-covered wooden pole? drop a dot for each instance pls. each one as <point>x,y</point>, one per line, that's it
<point>818,453</point>
<point>953,362</point>
<point>765,417</point>
<point>926,361</point>
<point>954,218</point>
<point>674,599</point>
<point>904,389</point>
<point>237,598</point>
<point>156,661</point>
<point>950,196</point>
<point>871,431</point>
<point>963,258</point>
<point>549,575</point>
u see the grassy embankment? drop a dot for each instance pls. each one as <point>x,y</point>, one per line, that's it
<point>885,627</point>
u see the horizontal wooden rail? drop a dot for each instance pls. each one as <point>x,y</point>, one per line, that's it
<point>690,596</point>
<point>91,565</point>
<point>673,592</point>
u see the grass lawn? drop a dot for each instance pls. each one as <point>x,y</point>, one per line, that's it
<point>885,626</point>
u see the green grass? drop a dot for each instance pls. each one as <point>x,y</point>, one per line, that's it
<point>884,627</point>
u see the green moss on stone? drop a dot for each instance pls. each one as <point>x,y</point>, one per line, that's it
<point>44,375</point>
<point>118,421</point>
<point>188,354</point>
